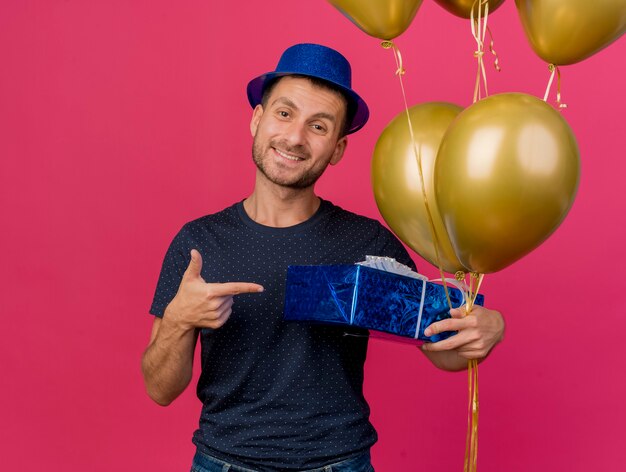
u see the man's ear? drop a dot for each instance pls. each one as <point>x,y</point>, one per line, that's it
<point>340,148</point>
<point>257,113</point>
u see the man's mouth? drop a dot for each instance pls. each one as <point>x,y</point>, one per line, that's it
<point>290,157</point>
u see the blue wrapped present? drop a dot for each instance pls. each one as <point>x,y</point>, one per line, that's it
<point>369,298</point>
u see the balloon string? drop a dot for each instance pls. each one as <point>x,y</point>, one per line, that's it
<point>400,71</point>
<point>496,61</point>
<point>554,69</point>
<point>468,435</point>
<point>471,438</point>
<point>479,28</point>
<point>479,282</point>
<point>473,446</point>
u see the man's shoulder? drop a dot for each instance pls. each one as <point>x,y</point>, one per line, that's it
<point>198,229</point>
<point>349,216</point>
<point>365,233</point>
<point>359,224</point>
<point>224,216</point>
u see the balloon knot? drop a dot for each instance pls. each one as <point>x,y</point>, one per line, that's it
<point>387,44</point>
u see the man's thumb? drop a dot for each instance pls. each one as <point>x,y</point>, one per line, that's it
<point>195,264</point>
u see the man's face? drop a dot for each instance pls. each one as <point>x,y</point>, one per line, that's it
<point>297,133</point>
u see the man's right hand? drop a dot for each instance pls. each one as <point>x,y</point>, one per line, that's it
<point>203,305</point>
<point>168,361</point>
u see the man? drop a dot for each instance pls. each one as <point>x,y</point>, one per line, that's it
<point>279,395</point>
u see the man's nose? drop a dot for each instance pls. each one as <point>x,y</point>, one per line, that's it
<point>296,133</point>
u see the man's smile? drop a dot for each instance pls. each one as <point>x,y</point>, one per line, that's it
<point>290,157</point>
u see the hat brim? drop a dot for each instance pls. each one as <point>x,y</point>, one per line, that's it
<point>257,86</point>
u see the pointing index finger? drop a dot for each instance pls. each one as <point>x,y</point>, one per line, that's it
<point>236,288</point>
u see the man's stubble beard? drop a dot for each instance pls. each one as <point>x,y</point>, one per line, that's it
<point>306,180</point>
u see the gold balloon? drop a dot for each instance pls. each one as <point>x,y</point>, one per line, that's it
<point>396,180</point>
<point>564,32</point>
<point>383,19</point>
<point>463,8</point>
<point>505,177</point>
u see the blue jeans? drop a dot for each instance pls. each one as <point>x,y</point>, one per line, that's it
<point>204,463</point>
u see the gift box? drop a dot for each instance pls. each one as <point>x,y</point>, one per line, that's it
<point>369,298</point>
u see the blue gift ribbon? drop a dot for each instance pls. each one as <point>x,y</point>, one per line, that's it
<point>419,316</point>
<point>333,293</point>
<point>356,293</point>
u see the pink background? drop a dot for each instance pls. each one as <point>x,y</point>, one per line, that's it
<point>121,120</point>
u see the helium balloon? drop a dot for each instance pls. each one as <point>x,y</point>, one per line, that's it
<point>564,32</point>
<point>383,19</point>
<point>505,177</point>
<point>463,8</point>
<point>396,180</point>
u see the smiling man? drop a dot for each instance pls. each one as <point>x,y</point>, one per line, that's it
<point>279,396</point>
<point>298,131</point>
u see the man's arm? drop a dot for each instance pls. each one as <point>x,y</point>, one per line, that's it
<point>168,360</point>
<point>167,363</point>
<point>478,333</point>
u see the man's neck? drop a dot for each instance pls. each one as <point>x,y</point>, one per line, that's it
<point>280,207</point>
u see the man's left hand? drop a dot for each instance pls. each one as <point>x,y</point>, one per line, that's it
<point>478,332</point>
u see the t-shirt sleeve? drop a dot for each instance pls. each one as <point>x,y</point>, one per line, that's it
<point>390,246</point>
<point>174,265</point>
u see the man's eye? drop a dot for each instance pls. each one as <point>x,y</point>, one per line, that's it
<point>284,114</point>
<point>318,127</point>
